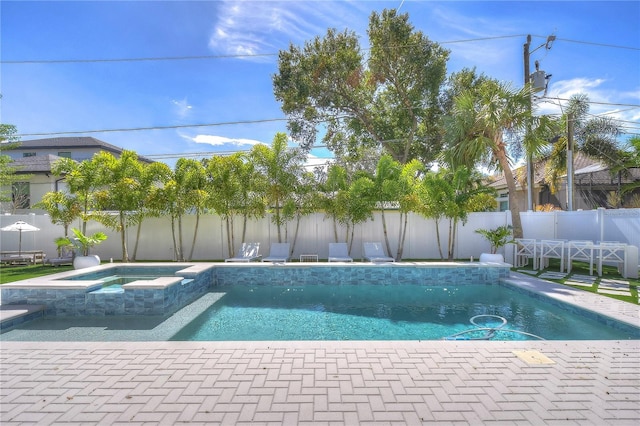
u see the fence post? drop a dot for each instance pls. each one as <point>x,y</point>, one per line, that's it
<point>600,213</point>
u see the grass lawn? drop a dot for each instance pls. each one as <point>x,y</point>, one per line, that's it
<point>9,273</point>
<point>582,269</point>
<point>16,273</point>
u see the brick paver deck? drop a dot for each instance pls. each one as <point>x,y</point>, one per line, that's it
<point>297,383</point>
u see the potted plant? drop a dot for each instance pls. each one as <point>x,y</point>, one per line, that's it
<point>497,238</point>
<point>62,244</point>
<point>83,243</point>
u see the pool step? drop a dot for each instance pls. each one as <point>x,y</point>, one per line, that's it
<point>12,315</point>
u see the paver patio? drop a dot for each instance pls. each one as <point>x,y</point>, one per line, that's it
<point>297,383</point>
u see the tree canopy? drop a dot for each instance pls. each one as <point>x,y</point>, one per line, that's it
<point>388,100</point>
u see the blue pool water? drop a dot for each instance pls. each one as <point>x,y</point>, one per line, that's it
<point>388,312</point>
<point>114,278</point>
<point>126,273</point>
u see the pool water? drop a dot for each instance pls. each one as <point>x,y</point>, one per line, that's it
<point>114,278</point>
<point>388,312</point>
<point>126,274</point>
<point>113,283</point>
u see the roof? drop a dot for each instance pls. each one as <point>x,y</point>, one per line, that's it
<point>37,164</point>
<point>76,142</point>
<point>581,164</point>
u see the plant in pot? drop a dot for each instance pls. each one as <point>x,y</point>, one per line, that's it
<point>497,238</point>
<point>83,243</point>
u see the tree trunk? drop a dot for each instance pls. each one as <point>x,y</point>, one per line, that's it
<point>230,248</point>
<point>353,228</point>
<point>501,156</point>
<point>295,235</point>
<point>135,246</point>
<point>181,246</point>
<point>386,234</point>
<point>402,235</point>
<point>173,236</point>
<point>195,234</point>
<point>123,238</point>
<point>278,223</point>
<point>438,238</point>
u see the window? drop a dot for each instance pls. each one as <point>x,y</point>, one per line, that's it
<point>64,154</point>
<point>21,195</point>
<point>28,154</point>
<point>503,201</point>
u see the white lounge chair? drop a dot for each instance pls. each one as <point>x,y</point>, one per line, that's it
<point>279,252</point>
<point>247,253</point>
<point>374,252</point>
<point>339,252</point>
<point>66,258</point>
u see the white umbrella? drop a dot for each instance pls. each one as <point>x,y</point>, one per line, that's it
<point>20,227</point>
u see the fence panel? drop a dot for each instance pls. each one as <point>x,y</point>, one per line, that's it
<point>316,231</point>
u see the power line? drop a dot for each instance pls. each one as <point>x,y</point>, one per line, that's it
<point>135,129</point>
<point>597,44</point>
<point>258,55</point>
<point>159,58</point>
<point>597,103</point>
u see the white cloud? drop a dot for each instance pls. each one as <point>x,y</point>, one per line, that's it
<point>250,28</point>
<point>222,140</point>
<point>597,90</point>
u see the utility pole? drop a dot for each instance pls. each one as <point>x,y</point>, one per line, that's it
<point>539,78</point>
<point>527,74</point>
<point>570,162</point>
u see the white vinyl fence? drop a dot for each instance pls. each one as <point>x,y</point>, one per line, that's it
<point>316,232</point>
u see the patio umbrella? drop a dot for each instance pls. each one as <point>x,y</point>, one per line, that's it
<point>20,227</point>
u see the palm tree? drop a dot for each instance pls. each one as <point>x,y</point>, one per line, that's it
<point>153,176</point>
<point>452,194</point>
<point>232,182</point>
<point>279,167</point>
<point>62,208</point>
<point>121,190</point>
<point>481,127</point>
<point>83,180</point>
<point>593,136</point>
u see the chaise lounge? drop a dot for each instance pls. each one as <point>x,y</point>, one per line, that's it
<point>339,252</point>
<point>279,252</point>
<point>374,252</point>
<point>247,253</point>
<point>66,258</point>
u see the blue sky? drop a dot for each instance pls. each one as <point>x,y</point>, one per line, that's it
<point>597,52</point>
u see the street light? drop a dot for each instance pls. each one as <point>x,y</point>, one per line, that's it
<point>539,81</point>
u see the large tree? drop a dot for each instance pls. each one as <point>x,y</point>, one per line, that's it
<point>387,99</point>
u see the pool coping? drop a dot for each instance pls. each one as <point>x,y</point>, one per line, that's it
<point>625,312</point>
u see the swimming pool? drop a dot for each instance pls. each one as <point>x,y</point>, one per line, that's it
<point>384,312</point>
<point>360,302</point>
